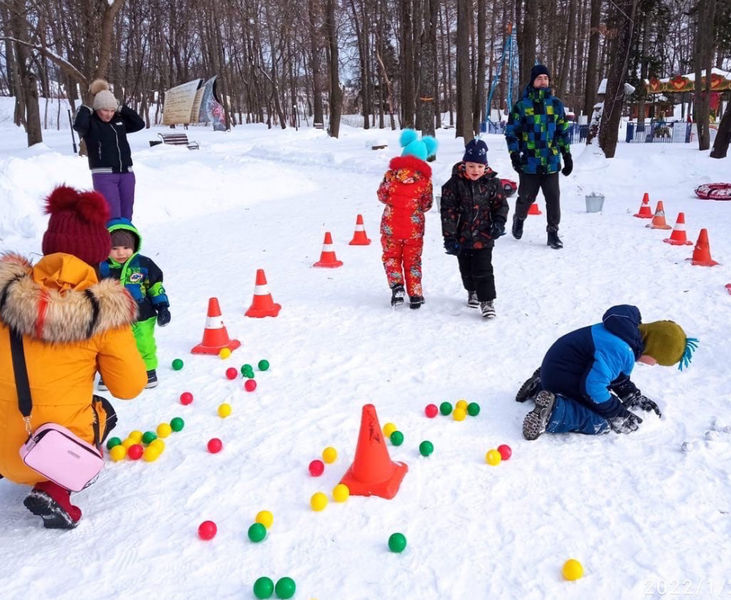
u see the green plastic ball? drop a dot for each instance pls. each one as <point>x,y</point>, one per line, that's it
<point>397,542</point>
<point>285,587</point>
<point>257,532</point>
<point>426,448</point>
<point>148,436</point>
<point>263,364</point>
<point>246,368</point>
<point>177,364</point>
<point>113,441</point>
<point>397,438</point>
<point>445,408</point>
<point>263,587</point>
<point>473,409</point>
<point>177,424</point>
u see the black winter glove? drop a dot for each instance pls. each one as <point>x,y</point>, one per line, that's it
<point>638,400</point>
<point>496,230</point>
<point>568,164</point>
<point>452,246</point>
<point>515,159</point>
<point>163,316</point>
<point>626,422</point>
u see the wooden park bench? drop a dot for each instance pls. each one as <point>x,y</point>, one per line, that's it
<point>175,139</point>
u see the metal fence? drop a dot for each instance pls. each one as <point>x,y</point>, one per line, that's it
<point>659,132</point>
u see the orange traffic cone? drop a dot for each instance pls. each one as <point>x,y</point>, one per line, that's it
<point>328,258</point>
<point>677,237</point>
<point>215,336</point>
<point>372,472</point>
<point>658,220</point>
<point>534,209</point>
<point>702,251</point>
<point>359,237</point>
<point>262,305</point>
<point>645,212</point>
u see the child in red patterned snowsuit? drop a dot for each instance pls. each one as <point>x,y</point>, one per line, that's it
<point>406,190</point>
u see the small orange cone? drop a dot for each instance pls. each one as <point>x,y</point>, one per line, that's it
<point>534,209</point>
<point>645,212</point>
<point>373,473</point>
<point>215,336</point>
<point>327,257</point>
<point>677,237</point>
<point>658,220</point>
<point>359,237</point>
<point>702,251</point>
<point>262,305</point>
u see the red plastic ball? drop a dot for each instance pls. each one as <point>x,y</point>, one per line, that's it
<point>207,530</point>
<point>505,451</point>
<point>186,398</point>
<point>431,410</point>
<point>231,373</point>
<point>250,385</point>
<point>135,451</point>
<point>215,445</point>
<point>317,468</point>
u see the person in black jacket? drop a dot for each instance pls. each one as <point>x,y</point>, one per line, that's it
<point>474,211</point>
<point>104,128</point>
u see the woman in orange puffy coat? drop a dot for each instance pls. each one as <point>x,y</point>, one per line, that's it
<point>406,190</point>
<point>72,325</point>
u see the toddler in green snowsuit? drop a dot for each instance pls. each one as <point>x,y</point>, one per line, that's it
<point>143,280</point>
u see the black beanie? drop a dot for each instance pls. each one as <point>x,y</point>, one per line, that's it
<point>475,152</point>
<point>538,70</point>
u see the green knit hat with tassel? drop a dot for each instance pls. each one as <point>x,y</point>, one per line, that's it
<point>667,343</point>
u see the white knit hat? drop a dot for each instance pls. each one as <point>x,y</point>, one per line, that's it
<point>103,98</point>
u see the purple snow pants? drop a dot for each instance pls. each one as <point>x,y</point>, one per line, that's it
<point>119,191</point>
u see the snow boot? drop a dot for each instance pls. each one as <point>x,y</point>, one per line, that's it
<point>472,300</point>
<point>554,241</point>
<point>487,308</point>
<point>535,421</point>
<point>530,387</point>
<point>517,227</point>
<point>151,379</point>
<point>52,503</point>
<point>397,295</point>
<point>416,301</point>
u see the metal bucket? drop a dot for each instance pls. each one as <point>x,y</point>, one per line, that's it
<point>594,202</point>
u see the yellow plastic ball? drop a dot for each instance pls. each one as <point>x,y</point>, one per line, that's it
<point>151,453</point>
<point>265,517</point>
<point>341,492</point>
<point>318,501</point>
<point>118,453</point>
<point>158,445</point>
<point>572,570</point>
<point>493,457</point>
<point>135,436</point>
<point>224,410</point>
<point>127,443</point>
<point>461,404</point>
<point>164,430</point>
<point>459,414</point>
<point>329,455</point>
<point>388,429</point>
<point>224,353</point>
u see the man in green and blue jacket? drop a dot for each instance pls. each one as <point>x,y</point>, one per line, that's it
<point>538,136</point>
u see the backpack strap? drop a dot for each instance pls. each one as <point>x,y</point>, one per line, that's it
<point>25,404</point>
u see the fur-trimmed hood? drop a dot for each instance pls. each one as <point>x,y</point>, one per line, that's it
<point>60,300</point>
<point>410,163</point>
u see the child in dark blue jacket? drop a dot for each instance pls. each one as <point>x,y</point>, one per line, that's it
<point>583,383</point>
<point>142,278</point>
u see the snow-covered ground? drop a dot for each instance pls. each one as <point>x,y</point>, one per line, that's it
<point>647,514</point>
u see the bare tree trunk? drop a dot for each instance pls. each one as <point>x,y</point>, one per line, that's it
<point>427,65</point>
<point>27,81</point>
<point>723,136</point>
<point>703,59</point>
<point>407,64</point>
<point>591,61</point>
<point>315,61</point>
<point>479,91</point>
<point>336,92</point>
<point>464,83</point>
<point>527,18</point>
<point>623,15</point>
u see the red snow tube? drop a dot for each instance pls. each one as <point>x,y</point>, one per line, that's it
<point>714,191</point>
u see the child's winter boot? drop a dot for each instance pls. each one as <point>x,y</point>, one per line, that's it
<point>472,300</point>
<point>488,309</point>
<point>535,421</point>
<point>530,387</point>
<point>52,503</point>
<point>397,294</point>
<point>416,301</point>
<point>151,379</point>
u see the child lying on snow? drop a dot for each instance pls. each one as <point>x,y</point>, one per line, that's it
<point>583,384</point>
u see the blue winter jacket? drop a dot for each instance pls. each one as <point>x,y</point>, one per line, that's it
<point>582,364</point>
<point>538,131</point>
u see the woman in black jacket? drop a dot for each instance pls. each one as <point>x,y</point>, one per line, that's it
<point>104,128</point>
